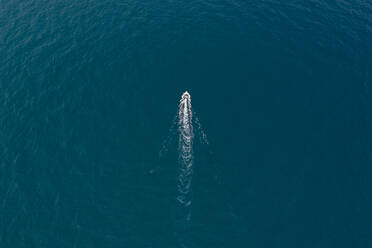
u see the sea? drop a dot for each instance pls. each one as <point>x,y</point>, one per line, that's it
<point>272,147</point>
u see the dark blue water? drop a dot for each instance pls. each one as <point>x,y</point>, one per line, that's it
<point>89,89</point>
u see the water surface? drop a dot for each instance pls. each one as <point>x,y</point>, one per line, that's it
<point>89,89</point>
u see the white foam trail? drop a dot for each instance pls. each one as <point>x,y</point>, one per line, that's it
<point>185,147</point>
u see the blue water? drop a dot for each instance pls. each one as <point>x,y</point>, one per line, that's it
<point>89,90</point>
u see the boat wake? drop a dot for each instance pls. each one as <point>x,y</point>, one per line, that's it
<point>183,127</point>
<point>185,150</point>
